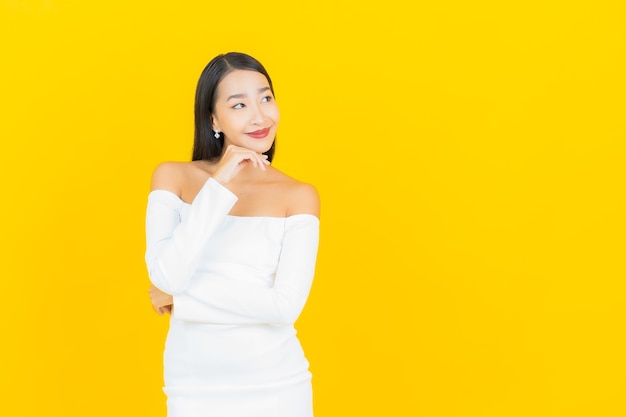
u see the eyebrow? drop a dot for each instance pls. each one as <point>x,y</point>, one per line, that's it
<point>241,95</point>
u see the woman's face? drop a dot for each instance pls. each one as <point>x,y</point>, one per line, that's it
<point>245,111</point>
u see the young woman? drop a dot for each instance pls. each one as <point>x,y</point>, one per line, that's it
<point>231,250</point>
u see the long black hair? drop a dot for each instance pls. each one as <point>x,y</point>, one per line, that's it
<point>205,145</point>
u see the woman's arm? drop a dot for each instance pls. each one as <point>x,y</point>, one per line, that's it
<point>232,302</point>
<point>172,245</point>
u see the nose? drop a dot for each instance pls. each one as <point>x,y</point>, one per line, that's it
<point>258,117</point>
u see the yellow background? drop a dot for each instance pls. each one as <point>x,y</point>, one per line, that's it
<point>470,160</point>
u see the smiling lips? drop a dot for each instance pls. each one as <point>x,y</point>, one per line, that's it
<point>259,134</point>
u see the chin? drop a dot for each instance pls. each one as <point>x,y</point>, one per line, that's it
<point>257,145</point>
<point>262,147</point>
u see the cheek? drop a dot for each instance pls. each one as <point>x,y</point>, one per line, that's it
<point>231,121</point>
<point>275,114</point>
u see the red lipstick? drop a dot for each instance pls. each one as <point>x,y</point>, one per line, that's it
<point>259,134</point>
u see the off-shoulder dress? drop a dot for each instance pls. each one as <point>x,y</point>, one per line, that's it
<point>238,284</point>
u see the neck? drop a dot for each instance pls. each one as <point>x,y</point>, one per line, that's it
<point>250,173</point>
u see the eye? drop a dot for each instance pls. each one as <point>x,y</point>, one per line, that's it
<point>266,99</point>
<point>238,106</point>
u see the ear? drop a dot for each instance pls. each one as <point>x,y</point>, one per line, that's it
<point>215,124</point>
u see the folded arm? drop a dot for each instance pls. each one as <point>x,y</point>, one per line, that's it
<point>173,245</point>
<point>233,302</point>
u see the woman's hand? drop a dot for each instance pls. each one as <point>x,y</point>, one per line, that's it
<point>161,302</point>
<point>234,159</point>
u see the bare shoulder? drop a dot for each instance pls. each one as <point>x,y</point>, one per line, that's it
<point>170,176</point>
<point>303,198</point>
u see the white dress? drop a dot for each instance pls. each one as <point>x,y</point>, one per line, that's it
<point>239,284</point>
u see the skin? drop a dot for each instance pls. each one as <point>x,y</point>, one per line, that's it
<point>244,104</point>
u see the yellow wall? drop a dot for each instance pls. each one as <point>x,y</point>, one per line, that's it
<point>470,160</point>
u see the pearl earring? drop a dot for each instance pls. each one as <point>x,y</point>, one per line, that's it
<point>217,134</point>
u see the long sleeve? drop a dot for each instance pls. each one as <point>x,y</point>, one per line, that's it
<point>234,302</point>
<point>172,245</point>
